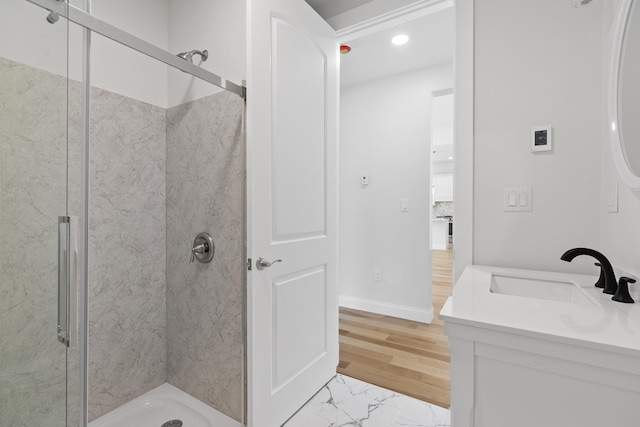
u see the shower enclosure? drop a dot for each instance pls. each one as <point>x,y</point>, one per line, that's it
<point>114,155</point>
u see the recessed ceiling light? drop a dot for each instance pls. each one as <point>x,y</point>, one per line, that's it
<point>450,158</point>
<point>400,39</point>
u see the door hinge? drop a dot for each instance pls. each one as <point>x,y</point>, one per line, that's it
<point>249,264</point>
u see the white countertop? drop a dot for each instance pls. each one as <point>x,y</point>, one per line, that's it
<point>612,326</point>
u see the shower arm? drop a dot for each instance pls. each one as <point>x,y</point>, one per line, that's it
<point>204,54</point>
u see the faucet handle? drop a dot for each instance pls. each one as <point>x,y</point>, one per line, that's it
<point>600,282</point>
<point>622,293</point>
<point>199,249</point>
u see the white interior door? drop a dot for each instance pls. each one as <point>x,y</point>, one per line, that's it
<point>292,98</point>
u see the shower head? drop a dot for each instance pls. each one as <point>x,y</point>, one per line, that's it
<point>188,56</point>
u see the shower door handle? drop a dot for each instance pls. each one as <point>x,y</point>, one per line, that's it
<point>68,280</point>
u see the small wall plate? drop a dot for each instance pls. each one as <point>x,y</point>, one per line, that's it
<point>541,138</point>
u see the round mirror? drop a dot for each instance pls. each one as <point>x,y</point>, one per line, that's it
<point>624,103</point>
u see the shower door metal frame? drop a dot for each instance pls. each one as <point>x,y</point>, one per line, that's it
<point>84,19</point>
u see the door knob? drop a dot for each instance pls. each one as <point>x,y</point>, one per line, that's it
<point>262,263</point>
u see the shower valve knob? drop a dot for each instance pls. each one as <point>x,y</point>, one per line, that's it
<point>202,248</point>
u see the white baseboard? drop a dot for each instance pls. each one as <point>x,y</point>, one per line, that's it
<point>395,310</point>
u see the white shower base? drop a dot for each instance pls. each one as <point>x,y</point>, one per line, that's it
<point>162,404</point>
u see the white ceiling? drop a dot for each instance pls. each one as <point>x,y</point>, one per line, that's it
<point>431,42</point>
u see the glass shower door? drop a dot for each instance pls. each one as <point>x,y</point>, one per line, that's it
<point>34,225</point>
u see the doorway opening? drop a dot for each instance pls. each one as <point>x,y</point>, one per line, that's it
<point>396,104</point>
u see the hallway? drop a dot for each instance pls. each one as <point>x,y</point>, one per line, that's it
<point>407,357</point>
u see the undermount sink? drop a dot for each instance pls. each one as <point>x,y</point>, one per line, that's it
<point>541,288</point>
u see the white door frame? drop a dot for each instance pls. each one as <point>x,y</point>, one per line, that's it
<point>463,138</point>
<point>463,114</point>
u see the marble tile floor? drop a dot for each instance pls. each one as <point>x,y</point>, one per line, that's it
<point>347,402</point>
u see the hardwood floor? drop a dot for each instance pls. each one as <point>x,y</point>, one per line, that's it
<point>407,357</point>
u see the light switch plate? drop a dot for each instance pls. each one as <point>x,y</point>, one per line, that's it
<point>404,205</point>
<point>518,200</point>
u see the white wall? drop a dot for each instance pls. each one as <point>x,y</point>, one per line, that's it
<point>442,132</point>
<point>174,25</point>
<point>29,39</point>
<point>537,63</point>
<point>620,231</point>
<point>442,167</point>
<point>122,70</point>
<point>218,26</point>
<point>385,134</point>
<point>442,120</point>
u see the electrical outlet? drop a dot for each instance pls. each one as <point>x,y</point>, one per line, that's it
<point>377,275</point>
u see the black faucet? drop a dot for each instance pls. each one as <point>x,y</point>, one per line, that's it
<point>600,282</point>
<point>610,285</point>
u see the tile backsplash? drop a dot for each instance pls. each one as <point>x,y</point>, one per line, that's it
<point>443,209</point>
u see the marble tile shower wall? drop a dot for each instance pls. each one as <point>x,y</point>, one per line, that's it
<point>127,250</point>
<point>205,192</point>
<point>32,176</point>
<point>159,177</point>
<point>131,245</point>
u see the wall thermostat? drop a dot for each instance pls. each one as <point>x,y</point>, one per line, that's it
<point>541,138</point>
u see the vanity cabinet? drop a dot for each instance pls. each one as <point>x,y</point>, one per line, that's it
<point>518,361</point>
<point>443,188</point>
